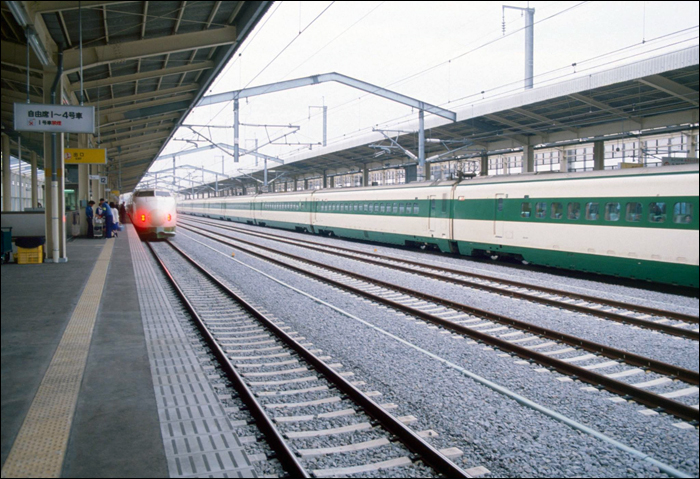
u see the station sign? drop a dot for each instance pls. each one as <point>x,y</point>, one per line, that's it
<point>54,118</point>
<point>85,156</point>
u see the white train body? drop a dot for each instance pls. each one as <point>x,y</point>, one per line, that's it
<point>640,223</point>
<point>153,212</point>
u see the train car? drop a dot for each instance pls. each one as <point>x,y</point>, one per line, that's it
<point>153,212</point>
<point>417,214</point>
<point>640,223</point>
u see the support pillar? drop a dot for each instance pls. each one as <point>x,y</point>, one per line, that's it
<point>83,187</point>
<point>563,162</point>
<point>365,175</point>
<point>484,170</point>
<point>692,145</point>
<point>94,184</point>
<point>35,181</point>
<point>55,200</point>
<point>306,184</point>
<point>325,180</point>
<point>528,159</point>
<point>6,175</point>
<point>599,155</point>
<point>296,184</point>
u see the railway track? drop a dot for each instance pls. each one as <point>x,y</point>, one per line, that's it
<point>277,376</point>
<point>509,335</point>
<point>669,322</point>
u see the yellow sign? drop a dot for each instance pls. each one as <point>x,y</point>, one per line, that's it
<point>85,156</point>
<point>631,165</point>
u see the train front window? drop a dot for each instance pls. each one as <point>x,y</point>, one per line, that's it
<point>612,211</point>
<point>657,212</point>
<point>574,211</point>
<point>634,212</point>
<point>592,211</point>
<point>541,210</point>
<point>683,213</point>
<point>557,211</point>
<point>525,210</point>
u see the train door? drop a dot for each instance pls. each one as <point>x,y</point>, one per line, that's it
<point>498,216</point>
<point>431,213</point>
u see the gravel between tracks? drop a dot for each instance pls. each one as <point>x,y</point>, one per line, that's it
<point>493,431</point>
<point>655,345</point>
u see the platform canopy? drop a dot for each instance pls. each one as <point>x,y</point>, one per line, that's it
<point>145,65</point>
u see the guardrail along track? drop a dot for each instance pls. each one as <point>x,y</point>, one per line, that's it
<point>612,310</point>
<point>463,319</point>
<point>237,331</point>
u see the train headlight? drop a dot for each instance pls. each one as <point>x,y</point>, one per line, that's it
<point>170,217</point>
<point>143,218</point>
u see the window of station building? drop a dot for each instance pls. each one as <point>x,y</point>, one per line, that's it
<point>557,212</point>
<point>633,212</point>
<point>592,211</point>
<point>657,212</point>
<point>541,209</point>
<point>612,211</point>
<point>402,208</point>
<point>574,211</point>
<point>525,210</point>
<point>683,213</point>
<point>416,208</point>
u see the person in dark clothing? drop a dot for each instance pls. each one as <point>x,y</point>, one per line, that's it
<point>109,219</point>
<point>89,216</point>
<point>122,213</point>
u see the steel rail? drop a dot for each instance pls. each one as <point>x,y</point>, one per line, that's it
<point>428,454</point>
<point>643,397</point>
<point>284,454</point>
<point>573,307</point>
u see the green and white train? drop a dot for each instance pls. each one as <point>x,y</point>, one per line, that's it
<point>639,223</point>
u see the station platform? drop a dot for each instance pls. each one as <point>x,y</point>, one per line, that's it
<point>84,364</point>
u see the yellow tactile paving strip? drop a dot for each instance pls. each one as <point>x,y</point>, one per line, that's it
<point>40,446</point>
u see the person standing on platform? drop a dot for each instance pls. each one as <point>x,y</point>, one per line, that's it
<point>115,218</point>
<point>89,216</point>
<point>109,219</point>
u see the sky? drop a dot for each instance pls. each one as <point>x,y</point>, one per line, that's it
<point>450,54</point>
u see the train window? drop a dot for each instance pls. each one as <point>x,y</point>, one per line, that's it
<point>612,211</point>
<point>416,208</point>
<point>541,210</point>
<point>634,212</point>
<point>557,211</point>
<point>402,208</point>
<point>432,207</point>
<point>366,207</point>
<point>574,211</point>
<point>657,212</point>
<point>525,210</point>
<point>382,207</point>
<point>683,213</point>
<point>396,208</point>
<point>592,211</point>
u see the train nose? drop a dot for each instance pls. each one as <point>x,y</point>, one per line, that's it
<point>157,217</point>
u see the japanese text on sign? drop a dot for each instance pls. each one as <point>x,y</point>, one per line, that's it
<point>54,118</point>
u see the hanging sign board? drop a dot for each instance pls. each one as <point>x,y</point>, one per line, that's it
<point>103,180</point>
<point>94,177</point>
<point>54,118</point>
<point>85,156</point>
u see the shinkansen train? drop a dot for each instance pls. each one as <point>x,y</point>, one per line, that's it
<point>639,223</point>
<point>153,212</point>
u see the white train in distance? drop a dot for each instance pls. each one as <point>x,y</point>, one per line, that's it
<point>153,212</point>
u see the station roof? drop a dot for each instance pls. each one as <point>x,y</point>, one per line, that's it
<point>630,100</point>
<point>145,64</point>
